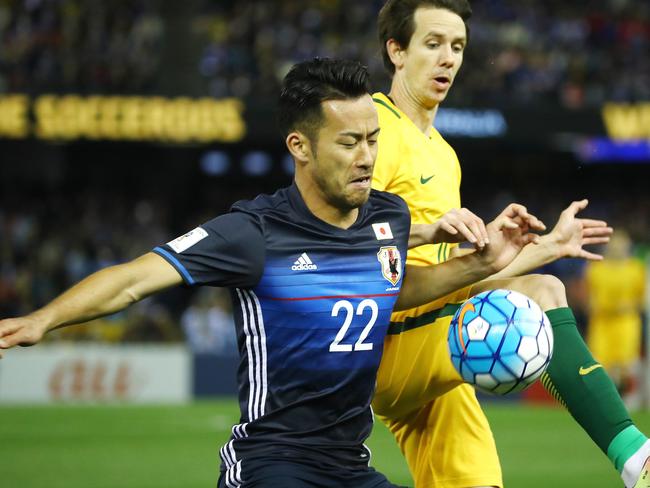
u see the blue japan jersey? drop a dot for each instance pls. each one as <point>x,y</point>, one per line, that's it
<point>312,304</point>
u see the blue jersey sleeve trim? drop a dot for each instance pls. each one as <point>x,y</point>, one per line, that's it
<point>176,264</point>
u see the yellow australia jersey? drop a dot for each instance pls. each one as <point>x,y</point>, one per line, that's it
<point>423,170</point>
<point>616,287</point>
<point>616,291</point>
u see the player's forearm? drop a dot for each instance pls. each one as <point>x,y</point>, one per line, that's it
<point>458,251</point>
<point>102,293</point>
<point>419,235</point>
<point>423,284</point>
<point>531,257</point>
<point>108,291</point>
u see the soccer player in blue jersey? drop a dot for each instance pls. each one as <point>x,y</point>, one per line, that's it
<point>314,272</point>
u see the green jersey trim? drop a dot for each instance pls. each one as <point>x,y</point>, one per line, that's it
<point>381,102</point>
<point>424,319</point>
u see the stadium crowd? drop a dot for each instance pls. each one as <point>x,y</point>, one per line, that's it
<point>521,52</point>
<point>79,45</point>
<point>527,52</point>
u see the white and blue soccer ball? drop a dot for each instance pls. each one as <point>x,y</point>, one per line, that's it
<point>500,341</point>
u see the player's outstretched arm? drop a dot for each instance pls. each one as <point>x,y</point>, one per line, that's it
<point>567,239</point>
<point>508,234</point>
<point>104,292</point>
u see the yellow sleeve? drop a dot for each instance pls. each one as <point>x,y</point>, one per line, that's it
<point>387,162</point>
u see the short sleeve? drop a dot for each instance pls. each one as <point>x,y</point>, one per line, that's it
<point>227,251</point>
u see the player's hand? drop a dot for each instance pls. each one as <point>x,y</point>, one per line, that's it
<point>20,331</point>
<point>516,216</point>
<point>459,225</point>
<point>571,234</point>
<point>508,234</point>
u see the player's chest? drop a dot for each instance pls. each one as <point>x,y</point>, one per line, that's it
<point>328,305</point>
<point>429,170</point>
<point>430,180</point>
<point>309,267</point>
<point>297,279</point>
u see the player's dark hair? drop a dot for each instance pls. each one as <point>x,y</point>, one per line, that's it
<point>310,83</point>
<point>396,21</point>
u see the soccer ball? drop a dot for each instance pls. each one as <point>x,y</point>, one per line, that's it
<point>500,341</point>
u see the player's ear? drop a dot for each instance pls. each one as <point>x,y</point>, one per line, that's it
<point>395,53</point>
<point>299,146</point>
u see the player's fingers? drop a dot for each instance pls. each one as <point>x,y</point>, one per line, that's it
<point>515,222</point>
<point>593,223</point>
<point>447,227</point>
<point>597,231</point>
<point>517,210</point>
<point>452,217</point>
<point>476,231</point>
<point>530,238</point>
<point>14,333</point>
<point>514,209</point>
<point>19,338</point>
<point>595,240</point>
<point>7,327</point>
<point>473,225</point>
<point>507,223</point>
<point>532,221</point>
<point>7,341</point>
<point>577,206</point>
<point>535,223</point>
<point>590,256</point>
<point>11,340</point>
<point>466,232</point>
<point>468,215</point>
<point>476,224</point>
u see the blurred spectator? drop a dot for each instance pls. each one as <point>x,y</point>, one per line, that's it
<point>616,292</point>
<point>208,323</point>
<point>149,321</point>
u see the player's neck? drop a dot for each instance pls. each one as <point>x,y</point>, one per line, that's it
<point>321,208</point>
<point>421,116</point>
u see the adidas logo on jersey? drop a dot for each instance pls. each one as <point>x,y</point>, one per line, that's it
<point>304,263</point>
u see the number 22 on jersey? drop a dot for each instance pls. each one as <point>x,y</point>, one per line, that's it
<point>348,309</point>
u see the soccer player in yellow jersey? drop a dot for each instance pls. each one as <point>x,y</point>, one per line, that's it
<point>616,288</point>
<point>435,418</point>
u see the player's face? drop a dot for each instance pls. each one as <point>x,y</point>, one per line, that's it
<point>434,55</point>
<point>345,152</point>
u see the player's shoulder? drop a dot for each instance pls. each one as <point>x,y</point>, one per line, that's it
<point>263,203</point>
<point>386,200</point>
<point>386,109</point>
<point>256,212</point>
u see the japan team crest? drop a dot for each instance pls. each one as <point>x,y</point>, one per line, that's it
<point>390,261</point>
